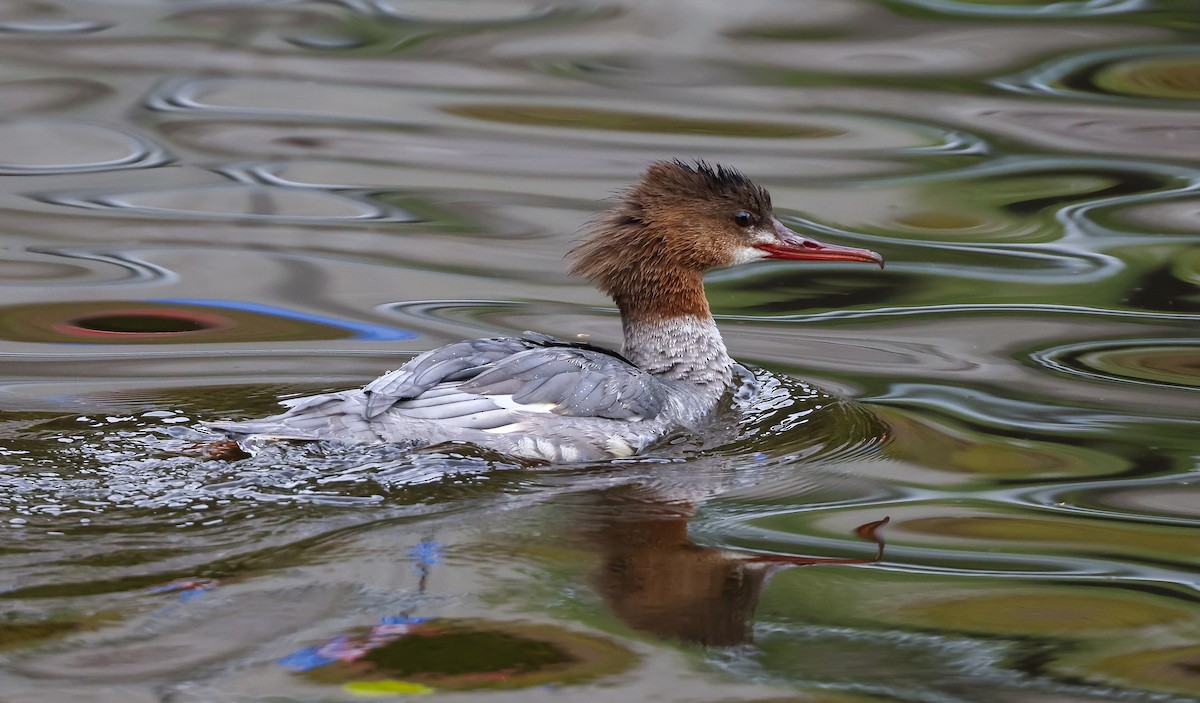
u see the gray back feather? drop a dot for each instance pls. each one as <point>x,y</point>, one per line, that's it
<point>533,369</point>
<point>453,362</point>
<point>577,382</point>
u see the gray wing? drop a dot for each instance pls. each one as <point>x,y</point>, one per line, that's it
<point>572,381</point>
<point>454,362</point>
<point>483,384</point>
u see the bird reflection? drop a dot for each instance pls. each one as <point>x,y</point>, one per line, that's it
<point>656,580</point>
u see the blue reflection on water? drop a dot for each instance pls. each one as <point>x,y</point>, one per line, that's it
<point>363,331</point>
<point>1081,8</point>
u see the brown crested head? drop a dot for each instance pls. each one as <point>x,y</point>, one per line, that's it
<point>650,251</point>
<point>679,216</point>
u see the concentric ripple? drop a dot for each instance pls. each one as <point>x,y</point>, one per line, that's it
<point>1171,77</point>
<point>235,202</point>
<point>58,267</point>
<point>1165,362</point>
<point>77,148</point>
<point>1167,74</point>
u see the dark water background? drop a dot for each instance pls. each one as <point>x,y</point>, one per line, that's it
<point>208,205</point>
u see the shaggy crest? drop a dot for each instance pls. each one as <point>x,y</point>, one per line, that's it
<point>703,181</point>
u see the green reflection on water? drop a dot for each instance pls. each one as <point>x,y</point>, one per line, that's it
<point>1098,634</point>
<point>1175,77</point>
<point>1051,611</point>
<point>943,446</point>
<point>1175,364</point>
<point>1175,669</point>
<point>476,654</point>
<point>19,630</point>
<point>1008,207</point>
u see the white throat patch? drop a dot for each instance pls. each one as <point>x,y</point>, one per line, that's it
<point>744,255</point>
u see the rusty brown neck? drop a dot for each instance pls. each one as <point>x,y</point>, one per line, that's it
<point>652,295</point>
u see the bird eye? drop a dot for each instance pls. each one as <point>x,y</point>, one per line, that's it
<point>741,218</point>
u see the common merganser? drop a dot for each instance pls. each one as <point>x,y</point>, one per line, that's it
<point>538,397</point>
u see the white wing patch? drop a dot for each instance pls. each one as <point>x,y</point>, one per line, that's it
<point>619,447</point>
<point>507,402</point>
<point>510,427</point>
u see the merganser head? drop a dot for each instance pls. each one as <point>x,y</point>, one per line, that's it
<point>683,219</point>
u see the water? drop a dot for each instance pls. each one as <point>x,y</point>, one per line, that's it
<point>210,206</point>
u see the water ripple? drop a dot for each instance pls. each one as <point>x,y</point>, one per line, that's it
<point>56,26</point>
<point>1164,74</point>
<point>989,409</point>
<point>234,202</point>
<point>469,13</point>
<point>1171,362</point>
<point>460,311</point>
<point>135,271</point>
<point>981,260</point>
<point>975,310</point>
<point>1165,500</point>
<point>38,95</point>
<point>78,148</point>
<point>41,268</point>
<point>933,536</point>
<point>624,123</point>
<point>989,8</point>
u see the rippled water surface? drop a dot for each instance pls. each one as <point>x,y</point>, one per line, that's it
<point>207,206</point>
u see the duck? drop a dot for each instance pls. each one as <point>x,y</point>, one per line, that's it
<point>533,396</point>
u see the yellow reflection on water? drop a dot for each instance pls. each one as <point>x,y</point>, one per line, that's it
<point>1175,77</point>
